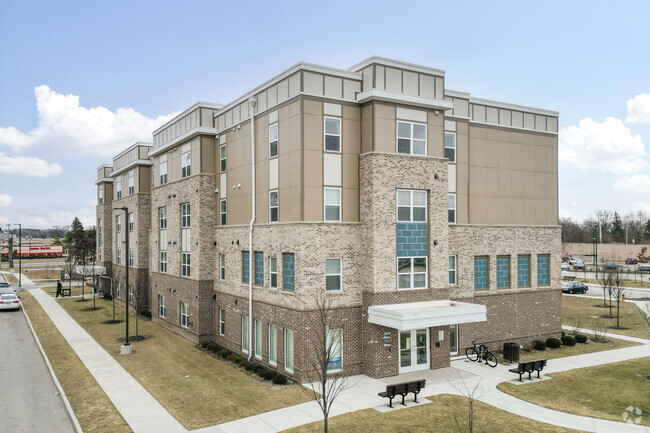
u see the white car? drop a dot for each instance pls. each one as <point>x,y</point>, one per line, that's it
<point>565,266</point>
<point>9,301</point>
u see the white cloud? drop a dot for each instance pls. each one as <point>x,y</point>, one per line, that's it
<point>640,205</point>
<point>637,183</point>
<point>28,166</point>
<point>607,146</point>
<point>638,109</point>
<point>5,200</point>
<point>565,213</point>
<point>65,127</point>
<point>50,219</point>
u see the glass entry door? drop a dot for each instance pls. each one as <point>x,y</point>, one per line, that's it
<point>413,350</point>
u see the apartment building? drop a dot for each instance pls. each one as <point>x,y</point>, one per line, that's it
<point>104,208</point>
<point>424,217</point>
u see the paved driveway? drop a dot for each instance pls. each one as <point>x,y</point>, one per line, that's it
<point>28,401</point>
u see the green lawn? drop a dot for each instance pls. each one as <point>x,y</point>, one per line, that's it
<point>589,313</point>
<point>588,347</point>
<point>601,392</point>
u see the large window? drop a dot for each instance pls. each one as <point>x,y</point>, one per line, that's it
<point>185,215</point>
<point>523,271</point>
<point>450,146</point>
<point>332,134</point>
<point>222,158</point>
<point>118,290</point>
<point>131,257</point>
<point>162,308</point>
<point>223,212</point>
<point>222,266</point>
<point>100,230</point>
<point>185,264</point>
<point>119,223</point>
<point>163,261</point>
<point>411,138</point>
<point>162,218</point>
<point>118,188</point>
<point>130,222</point>
<point>542,270</point>
<point>258,339</point>
<point>334,350</point>
<point>411,272</point>
<point>273,265</point>
<point>185,315</point>
<point>259,269</point>
<point>273,206</point>
<point>101,194</point>
<point>273,344</point>
<point>333,274</point>
<point>481,271</point>
<point>273,140</point>
<point>131,182</point>
<point>332,204</point>
<point>453,339</point>
<point>288,349</point>
<point>244,334</point>
<point>452,270</point>
<point>245,270</point>
<point>222,321</point>
<point>119,256</point>
<point>411,205</point>
<point>503,272</point>
<point>451,208</point>
<point>186,164</point>
<point>289,262</point>
<point>163,169</point>
<point>130,290</point>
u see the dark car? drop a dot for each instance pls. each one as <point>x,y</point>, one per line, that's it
<point>610,265</point>
<point>631,261</point>
<point>574,287</point>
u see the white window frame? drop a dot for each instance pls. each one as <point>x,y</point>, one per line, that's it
<point>118,254</point>
<point>245,344</point>
<point>162,218</point>
<point>118,223</point>
<point>101,194</point>
<point>185,217</point>
<point>130,222</point>
<point>185,314</point>
<point>274,126</point>
<point>185,267</point>
<point>293,343</point>
<point>276,207</point>
<point>272,273</point>
<point>340,274</point>
<point>163,172</point>
<point>325,204</point>
<point>411,206</point>
<point>426,144</point>
<point>100,229</point>
<point>454,270</point>
<point>130,292</point>
<point>162,308</point>
<point>222,267</point>
<point>273,353</point>
<point>186,164</point>
<point>162,262</point>
<point>329,340</point>
<point>456,340</point>
<point>259,339</point>
<point>223,212</point>
<point>339,135</point>
<point>222,321</point>
<point>131,257</point>
<point>454,148</point>
<point>118,290</point>
<point>449,196</point>
<point>118,188</point>
<point>412,274</point>
<point>223,163</point>
<point>131,183</point>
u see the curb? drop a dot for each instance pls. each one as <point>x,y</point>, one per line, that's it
<point>66,403</point>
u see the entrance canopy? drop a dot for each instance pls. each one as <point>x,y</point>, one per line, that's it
<point>418,315</point>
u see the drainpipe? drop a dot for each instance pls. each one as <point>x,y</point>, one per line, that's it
<point>252,101</point>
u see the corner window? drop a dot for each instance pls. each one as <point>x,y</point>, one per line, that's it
<point>411,205</point>
<point>185,264</point>
<point>223,212</point>
<point>131,182</point>
<point>100,237</point>
<point>273,344</point>
<point>186,164</point>
<point>451,208</point>
<point>163,169</point>
<point>118,188</point>
<point>130,222</point>
<point>332,204</point>
<point>222,266</point>
<point>162,309</point>
<point>273,266</point>
<point>411,138</point>
<point>450,146</point>
<point>273,140</point>
<point>163,261</point>
<point>130,256</point>
<point>523,271</point>
<point>481,273</point>
<point>334,350</point>
<point>288,349</point>
<point>333,275</point>
<point>332,134</point>
<point>542,270</point>
<point>185,215</point>
<point>163,217</point>
<point>258,339</point>
<point>222,158</point>
<point>503,272</point>
<point>289,262</point>
<point>185,315</point>
<point>412,273</point>
<point>452,270</point>
<point>222,321</point>
<point>273,206</point>
<point>244,334</point>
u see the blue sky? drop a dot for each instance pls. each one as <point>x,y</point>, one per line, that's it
<point>81,80</point>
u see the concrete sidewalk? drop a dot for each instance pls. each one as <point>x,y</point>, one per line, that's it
<point>139,409</point>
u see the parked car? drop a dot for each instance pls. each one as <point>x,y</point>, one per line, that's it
<point>644,267</point>
<point>610,265</point>
<point>9,301</point>
<point>572,262</point>
<point>565,266</point>
<point>631,261</point>
<point>6,288</point>
<point>578,265</point>
<point>574,287</point>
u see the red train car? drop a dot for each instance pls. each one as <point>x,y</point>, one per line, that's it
<point>35,251</point>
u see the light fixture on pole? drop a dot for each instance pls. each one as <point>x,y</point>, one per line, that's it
<point>126,348</point>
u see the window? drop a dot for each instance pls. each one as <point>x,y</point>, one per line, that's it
<point>163,261</point>
<point>131,257</point>
<point>163,218</point>
<point>450,146</point>
<point>185,264</point>
<point>131,182</point>
<point>163,169</point>
<point>273,206</point>
<point>273,344</point>
<point>119,256</point>
<point>258,339</point>
<point>542,270</point>
<point>101,194</point>
<point>100,229</point>
<point>332,134</point>
<point>185,215</point>
<point>523,271</point>
<point>411,138</point>
<point>245,269</point>
<point>118,189</point>
<point>332,204</point>
<point>289,271</point>
<point>273,140</point>
<point>334,350</point>
<point>274,272</point>
<point>224,212</point>
<point>153,181</point>
<point>118,289</point>
<point>453,339</point>
<point>222,266</point>
<point>288,349</point>
<point>411,272</point>
<point>452,270</point>
<point>222,321</point>
<point>259,269</point>
<point>333,275</point>
<point>130,222</point>
<point>186,164</point>
<point>503,272</point>
<point>130,294</point>
<point>119,223</point>
<point>411,205</point>
<point>244,333</point>
<point>481,273</point>
<point>451,208</point>
<point>222,158</point>
<point>185,315</point>
<point>162,309</point>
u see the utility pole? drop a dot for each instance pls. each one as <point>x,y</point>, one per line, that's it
<point>126,348</point>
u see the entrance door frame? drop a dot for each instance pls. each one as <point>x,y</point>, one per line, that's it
<point>414,366</point>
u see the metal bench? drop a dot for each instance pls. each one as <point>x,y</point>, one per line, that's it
<point>402,389</point>
<point>529,367</point>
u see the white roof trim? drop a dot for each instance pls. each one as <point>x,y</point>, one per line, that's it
<point>199,130</point>
<point>130,165</point>
<point>400,98</point>
<point>456,94</point>
<point>508,106</point>
<point>418,315</point>
<point>397,64</point>
<point>187,111</point>
<point>104,166</point>
<point>131,147</point>
<point>103,179</point>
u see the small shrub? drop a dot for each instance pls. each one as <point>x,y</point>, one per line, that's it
<point>205,344</point>
<point>225,353</point>
<point>249,366</point>
<point>261,371</point>
<point>569,340</point>
<point>539,345</point>
<point>231,356</point>
<point>553,343</point>
<point>244,363</point>
<point>212,347</point>
<point>255,367</point>
<point>238,359</point>
<point>563,334</point>
<point>279,379</point>
<point>270,374</point>
<point>146,313</point>
<point>581,338</point>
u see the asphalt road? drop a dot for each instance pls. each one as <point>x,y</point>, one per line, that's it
<point>28,400</point>
<point>629,293</point>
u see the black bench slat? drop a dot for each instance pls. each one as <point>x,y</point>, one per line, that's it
<point>529,367</point>
<point>402,389</point>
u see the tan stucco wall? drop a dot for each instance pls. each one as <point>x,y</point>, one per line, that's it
<point>606,252</point>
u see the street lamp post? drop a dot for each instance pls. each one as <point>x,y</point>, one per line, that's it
<point>126,348</point>
<point>20,254</point>
<point>596,246</point>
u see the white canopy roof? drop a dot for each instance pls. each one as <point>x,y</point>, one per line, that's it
<point>418,315</point>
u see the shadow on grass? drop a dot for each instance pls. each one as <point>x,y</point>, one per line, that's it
<point>111,322</point>
<point>91,309</point>
<point>133,338</point>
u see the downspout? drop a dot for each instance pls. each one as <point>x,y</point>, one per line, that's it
<point>252,101</point>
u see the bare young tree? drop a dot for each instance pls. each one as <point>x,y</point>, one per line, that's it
<point>605,282</point>
<point>472,394</point>
<point>68,267</point>
<point>618,293</point>
<point>327,379</point>
<point>646,312</point>
<point>117,279</point>
<point>600,332</point>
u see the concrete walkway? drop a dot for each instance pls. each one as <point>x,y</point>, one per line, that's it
<point>139,409</point>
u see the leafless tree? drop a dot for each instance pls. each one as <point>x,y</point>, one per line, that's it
<point>600,332</point>
<point>576,326</point>
<point>605,282</point>
<point>138,294</point>
<point>327,380</point>
<point>618,293</point>
<point>472,394</point>
<point>68,267</point>
<point>117,279</point>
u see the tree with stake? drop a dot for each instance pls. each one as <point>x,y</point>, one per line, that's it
<point>472,394</point>
<point>605,282</point>
<point>618,292</point>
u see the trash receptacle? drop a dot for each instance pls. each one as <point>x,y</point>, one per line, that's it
<point>511,352</point>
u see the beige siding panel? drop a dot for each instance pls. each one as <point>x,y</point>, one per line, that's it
<point>313,167</point>
<point>313,132</point>
<point>411,115</point>
<point>462,178</point>
<point>223,186</point>
<point>313,83</point>
<point>283,90</point>
<point>350,88</point>
<point>313,203</point>
<point>492,186</point>
<point>529,121</point>
<point>350,205</point>
<point>273,173</point>
<point>551,124</point>
<point>478,178</point>
<point>332,109</point>
<point>451,175</point>
<point>492,115</point>
<point>350,171</point>
<point>333,87</point>
<point>517,183</point>
<point>462,208</point>
<point>332,169</point>
<point>505,183</point>
<point>461,107</point>
<point>272,96</point>
<point>366,129</point>
<point>351,140</point>
<point>505,117</point>
<point>294,84</point>
<point>517,119</point>
<point>367,78</point>
<point>380,78</point>
<point>440,88</point>
<point>435,135</point>
<point>427,86</point>
<point>385,135</point>
<point>479,113</point>
<point>393,80</point>
<point>411,84</point>
<point>540,123</point>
